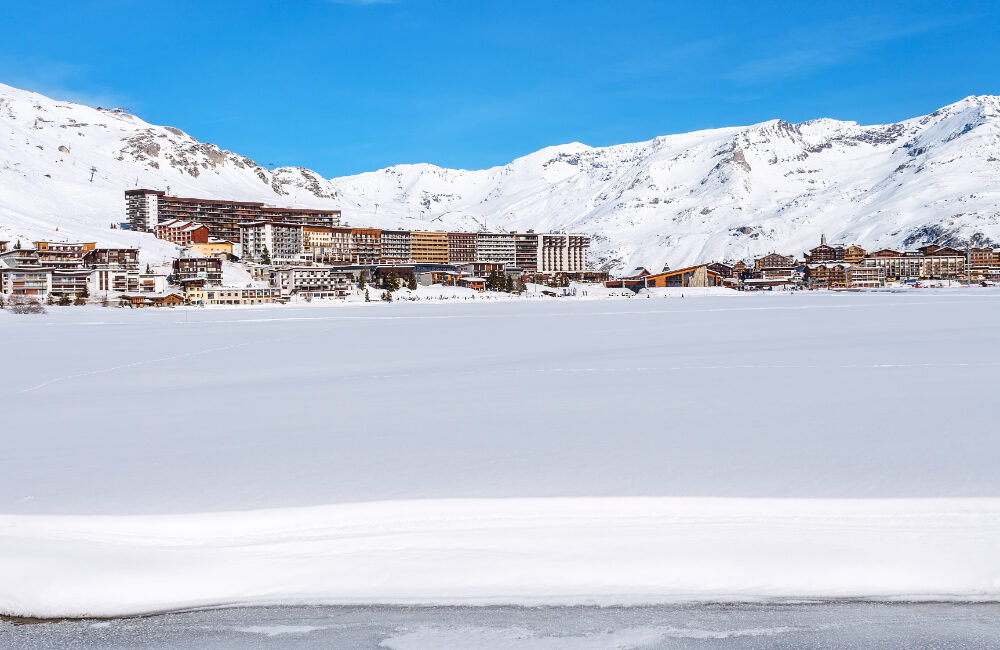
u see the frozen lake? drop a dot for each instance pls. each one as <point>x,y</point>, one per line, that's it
<point>806,395</point>
<point>529,452</point>
<point>760,626</point>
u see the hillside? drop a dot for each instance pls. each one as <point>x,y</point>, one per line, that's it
<point>718,194</point>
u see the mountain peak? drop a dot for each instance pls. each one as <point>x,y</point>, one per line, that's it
<point>724,193</point>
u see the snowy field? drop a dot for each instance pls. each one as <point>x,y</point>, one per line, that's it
<point>542,451</point>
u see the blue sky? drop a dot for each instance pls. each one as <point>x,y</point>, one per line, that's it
<point>355,85</point>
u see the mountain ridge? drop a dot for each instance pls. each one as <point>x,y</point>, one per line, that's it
<point>725,193</point>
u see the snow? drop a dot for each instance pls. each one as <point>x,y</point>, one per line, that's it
<point>682,199</point>
<point>538,450</point>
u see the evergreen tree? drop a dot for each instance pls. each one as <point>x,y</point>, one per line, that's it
<point>387,296</point>
<point>508,283</point>
<point>391,282</point>
<point>17,246</point>
<point>149,269</point>
<point>265,257</point>
<point>64,300</point>
<point>85,293</point>
<point>367,297</point>
<point>362,277</point>
<point>412,283</point>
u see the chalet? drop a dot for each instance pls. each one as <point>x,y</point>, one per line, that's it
<point>825,253</point>
<point>722,269</point>
<point>853,254</point>
<point>166,299</point>
<point>182,232</point>
<point>112,257</point>
<point>472,282</point>
<point>633,280</point>
<point>773,260</point>
<point>826,275</point>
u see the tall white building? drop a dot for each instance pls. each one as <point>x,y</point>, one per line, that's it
<point>283,241</point>
<point>495,247</point>
<point>562,252</point>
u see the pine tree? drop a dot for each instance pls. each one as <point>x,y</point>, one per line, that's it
<point>361,281</point>
<point>265,257</point>
<point>412,283</point>
<point>391,282</point>
<point>149,269</point>
<point>85,293</point>
<point>64,300</point>
<point>508,283</point>
<point>367,297</point>
<point>17,246</point>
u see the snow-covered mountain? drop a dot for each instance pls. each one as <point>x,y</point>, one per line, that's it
<point>718,194</point>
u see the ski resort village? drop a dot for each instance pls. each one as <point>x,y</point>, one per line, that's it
<point>247,253</point>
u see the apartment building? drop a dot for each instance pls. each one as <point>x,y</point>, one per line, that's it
<point>482,269</point>
<point>562,252</point>
<point>282,242</point>
<point>429,247</point>
<point>496,247</point>
<point>197,293</point>
<point>101,257</point>
<point>70,282</point>
<point>942,262</point>
<point>208,269</point>
<point>462,247</point>
<point>824,253</point>
<point>62,255</point>
<point>983,258</point>
<point>311,281</point>
<point>927,262</point>
<point>865,277</point>
<point>365,245</point>
<point>146,209</point>
<point>317,243</point>
<point>115,280</point>
<point>773,260</point>
<point>183,233</point>
<point>854,254</point>
<point>26,281</point>
<point>828,274</point>
<point>214,246</point>
<point>526,252</point>
<point>397,246</point>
